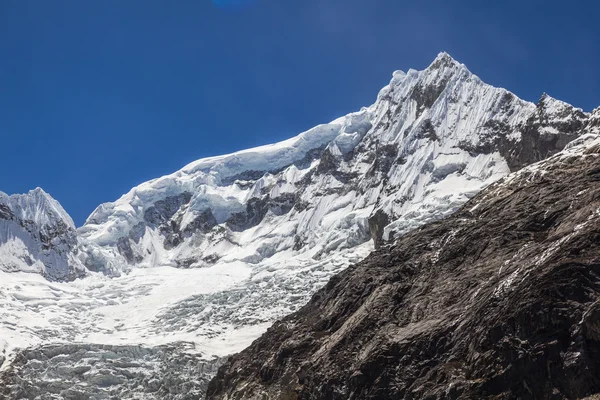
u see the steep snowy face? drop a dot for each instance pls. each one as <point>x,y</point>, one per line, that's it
<point>37,235</point>
<point>432,139</point>
<point>200,208</point>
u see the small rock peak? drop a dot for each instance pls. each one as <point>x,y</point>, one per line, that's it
<point>593,124</point>
<point>550,107</point>
<point>595,113</point>
<point>39,192</point>
<point>541,106</point>
<point>443,60</point>
<point>547,101</point>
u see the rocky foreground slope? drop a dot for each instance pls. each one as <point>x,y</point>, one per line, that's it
<point>498,301</point>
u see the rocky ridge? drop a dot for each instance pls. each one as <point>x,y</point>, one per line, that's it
<point>497,301</point>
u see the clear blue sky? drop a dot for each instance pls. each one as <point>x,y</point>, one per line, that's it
<point>99,96</point>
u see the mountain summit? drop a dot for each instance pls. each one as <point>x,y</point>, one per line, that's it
<point>37,235</point>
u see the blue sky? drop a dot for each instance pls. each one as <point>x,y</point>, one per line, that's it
<point>99,96</point>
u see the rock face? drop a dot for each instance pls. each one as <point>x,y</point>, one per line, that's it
<point>498,301</point>
<point>545,132</point>
<point>37,235</point>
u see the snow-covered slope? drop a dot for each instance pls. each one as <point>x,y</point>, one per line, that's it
<point>37,235</point>
<point>213,253</point>
<point>432,140</point>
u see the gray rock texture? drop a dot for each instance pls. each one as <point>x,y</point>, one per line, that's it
<point>498,301</point>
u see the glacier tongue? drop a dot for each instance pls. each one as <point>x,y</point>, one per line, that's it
<point>215,252</point>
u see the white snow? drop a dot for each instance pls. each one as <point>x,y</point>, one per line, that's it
<point>33,218</point>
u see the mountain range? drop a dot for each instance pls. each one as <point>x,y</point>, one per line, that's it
<point>152,294</point>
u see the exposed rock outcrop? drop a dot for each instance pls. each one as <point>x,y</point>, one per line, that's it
<point>498,301</point>
<point>546,131</point>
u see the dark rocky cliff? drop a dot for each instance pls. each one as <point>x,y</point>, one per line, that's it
<point>498,301</point>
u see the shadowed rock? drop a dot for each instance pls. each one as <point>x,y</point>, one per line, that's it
<point>498,301</point>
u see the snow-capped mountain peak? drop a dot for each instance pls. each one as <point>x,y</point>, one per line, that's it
<point>37,235</point>
<point>431,140</point>
<point>39,207</point>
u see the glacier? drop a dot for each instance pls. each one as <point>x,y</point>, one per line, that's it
<point>209,256</point>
